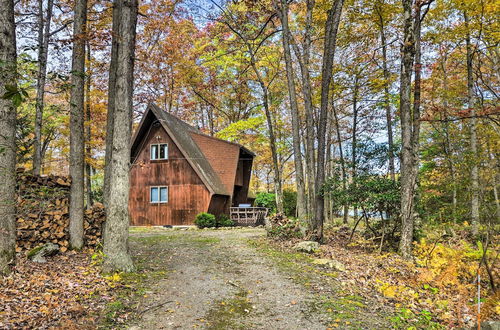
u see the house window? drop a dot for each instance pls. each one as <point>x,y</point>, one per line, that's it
<point>159,194</point>
<point>159,151</point>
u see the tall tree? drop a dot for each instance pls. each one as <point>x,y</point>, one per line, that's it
<point>282,10</point>
<point>410,117</point>
<point>304,61</point>
<point>252,40</point>
<point>407,183</point>
<point>331,28</point>
<point>77,114</point>
<point>43,50</point>
<point>117,216</point>
<point>88,132</point>
<point>111,99</point>
<point>8,70</point>
<point>474,175</point>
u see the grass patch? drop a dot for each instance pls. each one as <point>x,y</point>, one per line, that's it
<point>228,313</point>
<point>297,265</point>
<point>205,240</point>
<point>340,311</point>
<point>344,309</point>
<point>153,239</point>
<point>143,229</point>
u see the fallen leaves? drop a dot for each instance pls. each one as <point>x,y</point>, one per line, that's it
<point>65,292</point>
<point>441,289</point>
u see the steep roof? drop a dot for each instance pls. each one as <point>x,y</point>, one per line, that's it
<point>222,156</point>
<point>179,132</point>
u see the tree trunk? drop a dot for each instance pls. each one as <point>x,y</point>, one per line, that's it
<point>43,48</point>
<point>387,102</point>
<point>282,10</point>
<point>448,150</point>
<point>278,189</point>
<point>274,150</point>
<point>308,107</point>
<point>77,139</point>
<point>354,137</point>
<point>116,27</point>
<point>473,134</point>
<point>415,141</point>
<point>304,60</point>
<point>495,163</point>
<point>7,138</point>
<point>117,216</point>
<point>345,213</point>
<point>331,28</point>
<point>88,133</point>
<point>407,183</point>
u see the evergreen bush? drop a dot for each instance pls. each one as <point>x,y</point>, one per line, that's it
<point>205,220</point>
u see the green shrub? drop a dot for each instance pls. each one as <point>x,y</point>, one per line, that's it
<point>205,220</point>
<point>268,200</point>
<point>223,220</point>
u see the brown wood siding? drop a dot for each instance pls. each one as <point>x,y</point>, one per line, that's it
<point>187,195</point>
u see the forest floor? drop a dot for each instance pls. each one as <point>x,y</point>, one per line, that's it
<point>240,279</point>
<point>233,279</point>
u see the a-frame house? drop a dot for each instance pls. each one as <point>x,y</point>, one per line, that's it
<point>178,172</point>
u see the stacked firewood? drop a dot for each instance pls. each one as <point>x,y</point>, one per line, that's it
<point>43,213</point>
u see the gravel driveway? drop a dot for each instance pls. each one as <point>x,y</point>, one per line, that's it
<point>215,279</point>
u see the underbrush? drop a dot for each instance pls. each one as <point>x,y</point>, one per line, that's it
<point>283,228</point>
<point>438,288</point>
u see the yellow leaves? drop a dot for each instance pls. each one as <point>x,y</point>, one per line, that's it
<point>44,310</point>
<point>113,280</point>
<point>400,292</point>
<point>389,291</point>
<point>444,265</point>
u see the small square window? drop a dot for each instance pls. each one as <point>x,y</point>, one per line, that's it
<point>159,151</point>
<point>159,195</point>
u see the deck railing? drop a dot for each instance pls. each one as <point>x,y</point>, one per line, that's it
<point>248,216</point>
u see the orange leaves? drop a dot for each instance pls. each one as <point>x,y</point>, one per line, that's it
<point>53,294</point>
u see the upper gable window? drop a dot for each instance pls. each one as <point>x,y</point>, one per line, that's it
<point>159,151</point>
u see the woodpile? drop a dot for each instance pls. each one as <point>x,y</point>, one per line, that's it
<point>43,213</point>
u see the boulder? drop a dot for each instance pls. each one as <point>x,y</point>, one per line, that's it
<point>490,325</point>
<point>47,250</point>
<point>307,246</point>
<point>330,263</point>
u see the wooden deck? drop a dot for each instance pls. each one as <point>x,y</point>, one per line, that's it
<point>248,216</point>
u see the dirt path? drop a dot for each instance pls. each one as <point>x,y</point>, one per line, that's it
<point>215,279</point>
